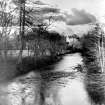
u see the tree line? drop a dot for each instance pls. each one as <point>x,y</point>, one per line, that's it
<point>39,40</point>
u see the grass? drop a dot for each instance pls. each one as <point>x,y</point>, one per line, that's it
<point>7,69</point>
<point>40,64</point>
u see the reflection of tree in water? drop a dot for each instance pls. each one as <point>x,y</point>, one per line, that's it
<point>50,86</point>
<point>95,87</point>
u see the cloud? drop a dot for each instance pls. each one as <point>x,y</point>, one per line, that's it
<point>38,2</point>
<point>79,17</point>
<point>58,18</point>
<point>47,10</point>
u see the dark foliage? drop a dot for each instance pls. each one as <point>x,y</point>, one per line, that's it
<point>41,64</point>
<point>74,49</point>
<point>95,88</point>
<point>42,40</point>
<point>51,36</point>
<point>94,79</point>
<point>89,52</point>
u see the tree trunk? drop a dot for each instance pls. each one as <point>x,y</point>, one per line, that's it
<point>22,24</point>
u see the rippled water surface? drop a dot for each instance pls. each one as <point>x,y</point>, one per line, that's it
<point>60,86</point>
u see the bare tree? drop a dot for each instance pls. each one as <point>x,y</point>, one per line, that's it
<point>37,18</point>
<point>101,47</point>
<point>22,25</point>
<point>5,23</point>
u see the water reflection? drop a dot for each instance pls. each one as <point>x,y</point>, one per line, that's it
<point>59,86</point>
<point>70,92</point>
<point>95,87</point>
<point>68,62</point>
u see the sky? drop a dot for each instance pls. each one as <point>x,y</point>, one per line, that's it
<point>75,16</point>
<point>79,13</point>
<point>95,7</point>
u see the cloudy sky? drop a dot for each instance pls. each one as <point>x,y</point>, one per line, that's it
<point>79,13</point>
<point>95,7</point>
<point>74,15</point>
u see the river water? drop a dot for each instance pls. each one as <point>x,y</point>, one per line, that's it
<point>60,86</point>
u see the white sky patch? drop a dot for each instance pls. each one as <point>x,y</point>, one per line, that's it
<point>68,30</point>
<point>95,7</point>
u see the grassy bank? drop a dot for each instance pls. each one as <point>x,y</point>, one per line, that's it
<point>9,69</point>
<point>39,64</point>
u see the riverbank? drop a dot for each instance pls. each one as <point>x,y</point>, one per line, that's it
<point>40,64</point>
<point>59,85</point>
<point>9,69</point>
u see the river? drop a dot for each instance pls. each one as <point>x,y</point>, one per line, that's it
<point>60,86</point>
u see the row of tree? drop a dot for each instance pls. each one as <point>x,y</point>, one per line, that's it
<point>93,45</point>
<point>31,17</point>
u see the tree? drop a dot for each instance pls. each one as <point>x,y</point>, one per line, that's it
<point>101,47</point>
<point>22,29</point>
<point>5,23</point>
<point>93,50</point>
<point>35,17</point>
